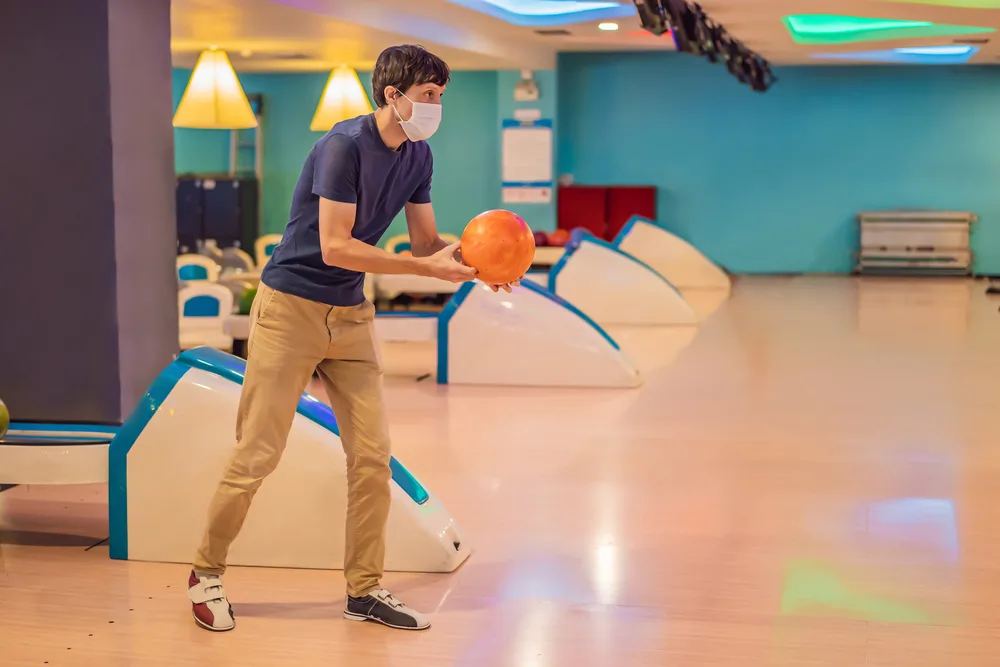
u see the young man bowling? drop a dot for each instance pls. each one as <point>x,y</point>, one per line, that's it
<point>311,314</point>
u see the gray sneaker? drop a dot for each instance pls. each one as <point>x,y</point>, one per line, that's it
<point>381,607</point>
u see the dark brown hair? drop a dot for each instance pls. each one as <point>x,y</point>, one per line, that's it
<point>405,66</point>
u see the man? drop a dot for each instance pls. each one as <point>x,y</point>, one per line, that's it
<point>310,314</point>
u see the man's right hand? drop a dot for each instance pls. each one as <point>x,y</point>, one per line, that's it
<point>443,265</point>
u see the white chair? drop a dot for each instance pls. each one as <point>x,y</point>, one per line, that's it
<point>236,260</point>
<point>264,246</point>
<point>398,243</point>
<point>202,309</point>
<point>195,268</point>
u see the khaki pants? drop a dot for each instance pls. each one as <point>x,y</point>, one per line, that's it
<point>289,338</point>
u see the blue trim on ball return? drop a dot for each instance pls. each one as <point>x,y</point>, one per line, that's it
<point>579,236</point>
<point>118,455</point>
<point>627,228</point>
<point>406,313</point>
<point>228,367</point>
<point>568,249</point>
<point>443,320</point>
<point>551,296</point>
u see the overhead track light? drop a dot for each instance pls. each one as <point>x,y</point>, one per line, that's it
<point>696,33</point>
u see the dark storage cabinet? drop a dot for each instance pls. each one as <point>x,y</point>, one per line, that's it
<point>221,208</point>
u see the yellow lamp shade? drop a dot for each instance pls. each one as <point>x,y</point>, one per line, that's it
<point>214,99</point>
<point>343,98</point>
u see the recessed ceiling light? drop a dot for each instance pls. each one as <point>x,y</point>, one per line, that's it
<point>551,7</point>
<point>607,26</point>
<point>967,4</point>
<point>918,55</point>
<point>937,50</point>
<point>550,13</point>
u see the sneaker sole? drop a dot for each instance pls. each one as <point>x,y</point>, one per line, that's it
<point>361,619</point>
<point>209,627</point>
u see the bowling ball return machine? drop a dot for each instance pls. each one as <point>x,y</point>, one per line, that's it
<point>163,463</point>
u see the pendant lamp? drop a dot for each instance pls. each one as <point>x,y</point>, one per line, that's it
<point>343,98</point>
<point>214,99</point>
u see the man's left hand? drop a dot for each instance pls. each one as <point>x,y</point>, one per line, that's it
<point>506,286</point>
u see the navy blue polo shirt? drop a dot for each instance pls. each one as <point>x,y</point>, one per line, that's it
<point>350,164</point>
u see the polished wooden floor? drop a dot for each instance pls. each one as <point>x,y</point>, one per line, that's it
<point>811,479</point>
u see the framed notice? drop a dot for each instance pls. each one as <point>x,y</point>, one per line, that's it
<point>527,161</point>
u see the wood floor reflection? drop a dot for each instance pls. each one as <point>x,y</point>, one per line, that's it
<point>809,479</point>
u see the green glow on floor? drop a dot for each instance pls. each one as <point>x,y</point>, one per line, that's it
<point>964,4</point>
<point>811,586</point>
<point>836,29</point>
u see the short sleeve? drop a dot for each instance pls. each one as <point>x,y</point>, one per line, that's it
<point>335,169</point>
<point>422,195</point>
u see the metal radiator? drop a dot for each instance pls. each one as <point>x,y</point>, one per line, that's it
<point>915,242</point>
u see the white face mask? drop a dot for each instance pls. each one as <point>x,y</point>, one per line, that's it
<point>424,120</point>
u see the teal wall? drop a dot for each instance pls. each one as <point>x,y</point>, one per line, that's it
<point>466,152</point>
<point>771,183</point>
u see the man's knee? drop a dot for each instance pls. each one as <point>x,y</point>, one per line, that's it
<point>371,462</point>
<point>248,472</point>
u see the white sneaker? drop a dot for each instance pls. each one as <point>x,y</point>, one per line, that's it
<point>209,605</point>
<point>381,607</point>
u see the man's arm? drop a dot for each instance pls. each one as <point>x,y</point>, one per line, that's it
<point>424,238</point>
<point>340,248</point>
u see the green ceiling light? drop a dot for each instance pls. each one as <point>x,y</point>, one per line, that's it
<point>836,29</point>
<point>964,4</point>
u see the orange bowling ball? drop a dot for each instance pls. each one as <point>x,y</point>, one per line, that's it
<point>499,245</point>
<point>559,237</point>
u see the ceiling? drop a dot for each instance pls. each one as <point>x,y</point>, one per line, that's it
<point>315,35</point>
